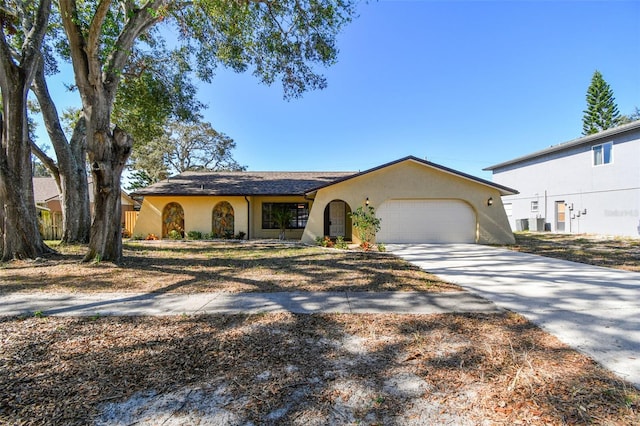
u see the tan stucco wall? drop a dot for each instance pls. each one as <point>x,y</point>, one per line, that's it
<point>197,213</point>
<point>198,210</point>
<point>412,180</point>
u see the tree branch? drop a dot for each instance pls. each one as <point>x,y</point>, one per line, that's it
<point>95,30</point>
<point>77,42</point>
<point>47,161</point>
<point>50,117</point>
<point>141,20</point>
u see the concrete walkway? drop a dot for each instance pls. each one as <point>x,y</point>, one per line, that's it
<point>125,304</point>
<point>595,310</point>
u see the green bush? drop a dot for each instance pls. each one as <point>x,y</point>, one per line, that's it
<point>240,235</point>
<point>381,247</point>
<point>194,235</point>
<point>366,225</point>
<point>138,237</point>
<point>175,235</point>
<point>341,244</point>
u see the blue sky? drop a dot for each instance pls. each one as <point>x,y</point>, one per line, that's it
<point>466,84</point>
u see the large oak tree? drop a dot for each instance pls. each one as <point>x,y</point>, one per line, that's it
<point>20,58</point>
<point>276,39</point>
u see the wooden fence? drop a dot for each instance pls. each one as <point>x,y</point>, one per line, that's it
<point>130,218</point>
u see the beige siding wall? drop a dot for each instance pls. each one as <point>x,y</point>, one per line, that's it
<point>198,210</point>
<point>411,180</point>
<point>197,213</point>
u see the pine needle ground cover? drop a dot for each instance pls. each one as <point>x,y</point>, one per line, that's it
<point>284,368</point>
<point>301,369</point>
<point>610,252</point>
<point>194,267</point>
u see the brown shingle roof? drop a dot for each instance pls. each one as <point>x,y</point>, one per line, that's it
<point>44,189</point>
<point>242,183</point>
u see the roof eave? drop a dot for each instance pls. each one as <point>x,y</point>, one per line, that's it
<point>635,125</point>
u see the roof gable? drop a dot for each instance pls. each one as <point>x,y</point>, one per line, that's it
<point>503,189</point>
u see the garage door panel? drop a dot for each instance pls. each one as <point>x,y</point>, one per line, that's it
<point>426,221</point>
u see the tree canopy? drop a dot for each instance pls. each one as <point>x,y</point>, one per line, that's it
<point>182,147</point>
<point>107,42</point>
<point>602,112</point>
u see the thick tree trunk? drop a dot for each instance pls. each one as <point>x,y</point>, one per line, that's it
<point>21,237</point>
<point>71,168</point>
<point>76,213</point>
<point>108,154</point>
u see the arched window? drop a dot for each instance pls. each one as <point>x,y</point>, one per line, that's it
<point>222,220</point>
<point>172,219</point>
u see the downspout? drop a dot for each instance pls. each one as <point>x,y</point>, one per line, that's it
<point>248,218</point>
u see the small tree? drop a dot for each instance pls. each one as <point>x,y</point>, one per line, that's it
<point>366,224</point>
<point>282,217</point>
<point>602,112</point>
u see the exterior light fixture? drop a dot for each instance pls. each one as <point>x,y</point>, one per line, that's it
<point>366,202</point>
<point>490,201</point>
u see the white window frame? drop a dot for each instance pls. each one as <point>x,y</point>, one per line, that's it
<point>599,154</point>
<point>535,206</point>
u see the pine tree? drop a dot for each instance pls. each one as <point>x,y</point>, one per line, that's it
<point>602,112</point>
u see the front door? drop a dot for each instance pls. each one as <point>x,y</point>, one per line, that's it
<point>560,216</point>
<point>337,215</point>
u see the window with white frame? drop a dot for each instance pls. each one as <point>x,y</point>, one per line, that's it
<point>534,206</point>
<point>602,154</point>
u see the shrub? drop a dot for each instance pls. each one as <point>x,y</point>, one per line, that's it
<point>174,234</point>
<point>325,241</point>
<point>194,235</point>
<point>366,245</point>
<point>381,247</point>
<point>366,224</point>
<point>151,237</point>
<point>138,237</point>
<point>341,244</point>
<point>240,235</point>
<point>126,233</point>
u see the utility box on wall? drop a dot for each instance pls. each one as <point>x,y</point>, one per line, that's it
<point>536,224</point>
<point>522,225</point>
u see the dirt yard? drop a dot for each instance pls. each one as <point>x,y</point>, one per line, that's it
<point>196,266</point>
<point>611,252</point>
<point>301,369</point>
<point>269,369</point>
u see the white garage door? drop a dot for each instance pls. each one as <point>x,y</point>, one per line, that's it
<point>426,221</point>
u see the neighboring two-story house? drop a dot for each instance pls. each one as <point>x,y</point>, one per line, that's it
<point>587,185</point>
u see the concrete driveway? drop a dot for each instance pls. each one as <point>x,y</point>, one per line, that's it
<point>595,310</point>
